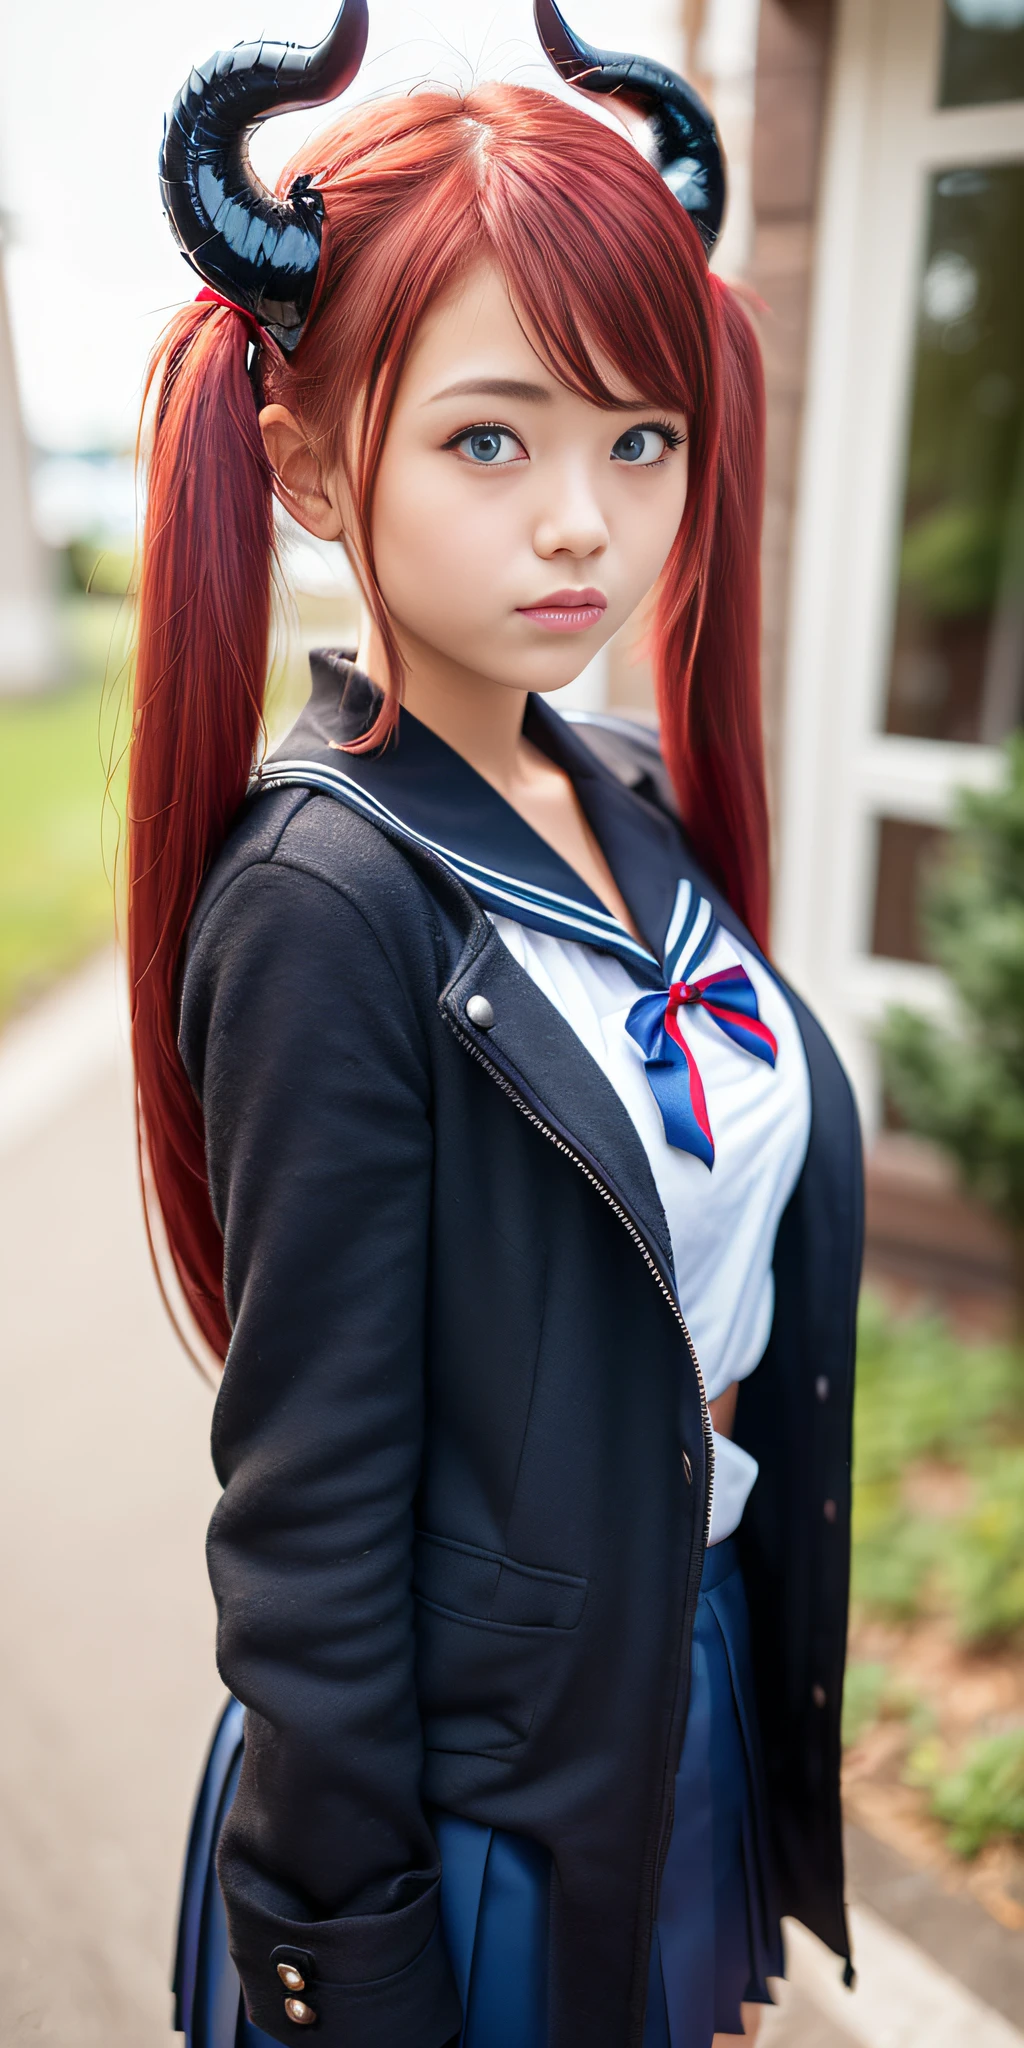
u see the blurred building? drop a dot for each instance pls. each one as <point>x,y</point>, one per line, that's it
<point>26,627</point>
<point>876,173</point>
<point>888,194</point>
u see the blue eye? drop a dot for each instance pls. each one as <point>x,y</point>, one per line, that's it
<point>493,446</point>
<point>644,446</point>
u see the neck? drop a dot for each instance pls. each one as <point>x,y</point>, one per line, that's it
<point>479,719</point>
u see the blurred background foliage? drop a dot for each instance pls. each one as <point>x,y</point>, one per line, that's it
<point>938,1537</point>
<point>963,1085</point>
<point>63,755</point>
<point>929,1404</point>
<point>58,835</point>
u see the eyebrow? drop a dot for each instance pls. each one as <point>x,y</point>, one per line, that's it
<point>495,387</point>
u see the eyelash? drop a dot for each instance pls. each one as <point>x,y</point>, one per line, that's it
<point>672,437</point>
<point>481,427</point>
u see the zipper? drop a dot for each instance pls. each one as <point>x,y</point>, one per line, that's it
<point>502,1081</point>
<point>628,1224</point>
<point>696,1562</point>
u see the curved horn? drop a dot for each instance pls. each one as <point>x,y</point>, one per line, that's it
<point>260,252</point>
<point>687,150</point>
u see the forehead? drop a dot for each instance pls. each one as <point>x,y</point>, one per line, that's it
<point>473,334</point>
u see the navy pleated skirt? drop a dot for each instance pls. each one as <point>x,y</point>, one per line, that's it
<point>716,1940</point>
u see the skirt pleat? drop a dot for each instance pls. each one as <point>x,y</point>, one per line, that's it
<point>494,1911</point>
<point>208,2005</point>
<point>719,1938</point>
<point>716,1939</point>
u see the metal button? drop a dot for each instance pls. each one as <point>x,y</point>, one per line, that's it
<point>819,1695</point>
<point>687,1468</point>
<point>291,1978</point>
<point>480,1013</point>
<point>821,1387</point>
<point>302,2014</point>
<point>829,1511</point>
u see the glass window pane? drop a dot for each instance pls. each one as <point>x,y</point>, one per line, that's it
<point>982,52</point>
<point>906,850</point>
<point>957,669</point>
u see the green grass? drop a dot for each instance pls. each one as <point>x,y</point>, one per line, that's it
<point>987,1556</point>
<point>56,897</point>
<point>929,1404</point>
<point>59,827</point>
<point>923,1397</point>
<point>983,1799</point>
<point>863,1692</point>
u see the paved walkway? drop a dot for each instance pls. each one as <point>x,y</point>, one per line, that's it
<point>106,1626</point>
<point>106,1629</point>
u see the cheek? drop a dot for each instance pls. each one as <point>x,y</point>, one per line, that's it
<point>649,524</point>
<point>438,537</point>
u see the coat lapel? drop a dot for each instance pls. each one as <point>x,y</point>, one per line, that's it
<point>545,1065</point>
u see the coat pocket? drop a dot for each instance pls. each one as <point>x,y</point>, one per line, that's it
<point>491,1634</point>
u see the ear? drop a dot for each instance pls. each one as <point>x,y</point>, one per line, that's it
<point>298,480</point>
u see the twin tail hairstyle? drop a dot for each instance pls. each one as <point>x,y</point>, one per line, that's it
<point>605,267</point>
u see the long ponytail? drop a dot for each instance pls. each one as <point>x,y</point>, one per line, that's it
<point>203,624</point>
<point>707,655</point>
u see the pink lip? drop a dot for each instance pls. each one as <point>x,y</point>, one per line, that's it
<point>567,611</point>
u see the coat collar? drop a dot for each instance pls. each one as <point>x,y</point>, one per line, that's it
<point>419,787</point>
<point>420,792</point>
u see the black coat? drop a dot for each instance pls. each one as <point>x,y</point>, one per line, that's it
<point>461,1434</point>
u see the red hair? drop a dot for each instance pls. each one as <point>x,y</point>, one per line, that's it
<point>609,278</point>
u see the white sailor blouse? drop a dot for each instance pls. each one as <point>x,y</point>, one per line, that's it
<point>725,1138</point>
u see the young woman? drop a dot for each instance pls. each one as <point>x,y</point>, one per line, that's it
<point>518,1193</point>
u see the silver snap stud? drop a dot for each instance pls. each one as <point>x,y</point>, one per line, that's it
<point>829,1511</point>
<point>480,1013</point>
<point>821,1387</point>
<point>818,1695</point>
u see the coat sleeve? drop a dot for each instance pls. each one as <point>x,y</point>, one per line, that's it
<point>313,1076</point>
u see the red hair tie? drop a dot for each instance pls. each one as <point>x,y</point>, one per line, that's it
<point>209,297</point>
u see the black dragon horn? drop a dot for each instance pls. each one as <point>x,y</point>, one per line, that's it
<point>687,150</point>
<point>259,252</point>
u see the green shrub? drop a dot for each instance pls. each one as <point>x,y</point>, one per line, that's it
<point>986,1563</point>
<point>984,1799</point>
<point>862,1699</point>
<point>923,1767</point>
<point>893,1563</point>
<point>924,1395</point>
<point>964,1087</point>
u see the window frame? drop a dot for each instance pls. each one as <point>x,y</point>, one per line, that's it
<point>839,771</point>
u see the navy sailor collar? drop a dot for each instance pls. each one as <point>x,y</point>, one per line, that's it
<point>420,787</point>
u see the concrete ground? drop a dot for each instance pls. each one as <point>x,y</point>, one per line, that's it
<point>106,1627</point>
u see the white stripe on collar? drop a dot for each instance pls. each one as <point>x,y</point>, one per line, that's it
<point>506,894</point>
<point>691,929</point>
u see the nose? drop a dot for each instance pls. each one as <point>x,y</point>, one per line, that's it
<point>571,520</point>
